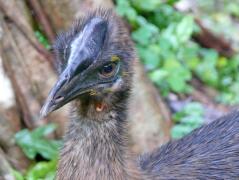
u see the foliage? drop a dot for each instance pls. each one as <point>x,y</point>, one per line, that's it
<point>42,39</point>
<point>163,38</point>
<point>42,170</point>
<point>156,48</point>
<point>34,143</point>
<point>188,119</point>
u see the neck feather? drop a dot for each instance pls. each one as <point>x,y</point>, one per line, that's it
<point>97,149</point>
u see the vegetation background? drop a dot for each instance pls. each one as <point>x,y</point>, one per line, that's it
<point>188,73</point>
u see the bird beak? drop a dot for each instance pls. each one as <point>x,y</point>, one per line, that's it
<point>64,91</point>
<point>84,50</point>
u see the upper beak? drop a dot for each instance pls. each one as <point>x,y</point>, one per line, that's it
<point>65,90</point>
<point>85,49</point>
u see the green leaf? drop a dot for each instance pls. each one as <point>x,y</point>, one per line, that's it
<point>33,143</point>
<point>42,39</point>
<point>178,75</point>
<point>185,28</point>
<point>17,175</point>
<point>42,170</point>
<point>124,9</point>
<point>145,34</point>
<point>189,118</point>
<point>232,7</point>
<point>179,131</point>
<point>44,130</point>
<point>194,108</point>
<point>169,35</point>
<point>193,121</point>
<point>172,2</point>
<point>150,56</point>
<point>25,141</point>
<point>158,75</point>
<point>176,83</point>
<point>149,5</point>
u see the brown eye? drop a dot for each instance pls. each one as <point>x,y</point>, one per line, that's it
<point>108,70</point>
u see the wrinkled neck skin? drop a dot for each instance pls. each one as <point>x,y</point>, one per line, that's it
<point>96,142</point>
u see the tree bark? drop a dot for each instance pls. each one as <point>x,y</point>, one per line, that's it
<point>10,124</point>
<point>30,73</point>
<point>5,168</point>
<point>209,40</point>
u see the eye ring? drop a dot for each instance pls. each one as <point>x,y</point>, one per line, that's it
<point>108,70</point>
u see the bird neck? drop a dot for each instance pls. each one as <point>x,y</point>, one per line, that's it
<point>97,148</point>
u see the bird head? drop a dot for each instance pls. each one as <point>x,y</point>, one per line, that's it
<point>95,59</point>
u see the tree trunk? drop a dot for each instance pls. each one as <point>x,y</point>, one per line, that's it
<point>5,168</point>
<point>26,64</point>
<point>27,67</point>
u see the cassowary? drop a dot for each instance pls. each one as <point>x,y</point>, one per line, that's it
<point>96,67</point>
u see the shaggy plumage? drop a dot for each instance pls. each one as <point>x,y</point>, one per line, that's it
<point>96,59</point>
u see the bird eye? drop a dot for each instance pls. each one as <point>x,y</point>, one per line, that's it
<point>108,70</point>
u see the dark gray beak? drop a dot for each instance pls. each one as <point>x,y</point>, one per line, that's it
<point>84,50</point>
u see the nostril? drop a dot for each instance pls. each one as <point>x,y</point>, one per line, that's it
<point>58,99</point>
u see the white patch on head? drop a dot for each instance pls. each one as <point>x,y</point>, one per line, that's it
<point>75,46</point>
<point>80,41</point>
